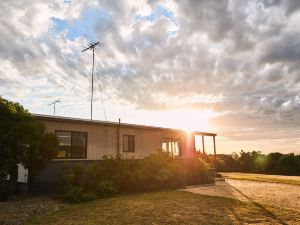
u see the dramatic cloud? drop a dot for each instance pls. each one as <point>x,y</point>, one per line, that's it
<point>239,60</point>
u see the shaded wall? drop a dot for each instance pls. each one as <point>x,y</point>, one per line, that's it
<point>46,180</point>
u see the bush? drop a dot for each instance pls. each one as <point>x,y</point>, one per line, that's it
<point>116,176</point>
<point>75,194</point>
<point>196,172</point>
<point>105,188</point>
<point>3,189</point>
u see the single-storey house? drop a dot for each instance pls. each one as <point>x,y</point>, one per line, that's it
<point>84,141</point>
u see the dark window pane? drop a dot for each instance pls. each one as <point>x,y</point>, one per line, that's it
<point>78,145</point>
<point>131,143</point>
<point>64,149</point>
<point>128,143</point>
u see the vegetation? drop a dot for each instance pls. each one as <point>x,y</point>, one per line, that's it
<point>168,207</point>
<point>19,209</point>
<point>263,178</point>
<point>109,177</point>
<point>256,162</point>
<point>22,141</point>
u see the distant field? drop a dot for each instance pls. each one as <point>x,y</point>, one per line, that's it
<point>294,180</point>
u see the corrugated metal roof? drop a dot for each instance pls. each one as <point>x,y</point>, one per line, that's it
<point>109,123</point>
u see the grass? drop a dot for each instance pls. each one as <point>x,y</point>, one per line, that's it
<point>263,178</point>
<point>18,209</point>
<point>170,207</point>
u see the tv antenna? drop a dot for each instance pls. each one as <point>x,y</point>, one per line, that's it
<point>101,95</point>
<point>92,47</point>
<point>53,103</point>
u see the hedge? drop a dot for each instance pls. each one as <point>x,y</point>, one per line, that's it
<point>159,171</point>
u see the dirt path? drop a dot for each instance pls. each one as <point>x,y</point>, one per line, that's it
<point>221,189</point>
<point>280,195</point>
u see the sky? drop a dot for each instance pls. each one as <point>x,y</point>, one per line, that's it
<point>225,66</point>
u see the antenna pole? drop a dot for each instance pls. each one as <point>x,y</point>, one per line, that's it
<point>92,47</point>
<point>92,84</point>
<point>53,103</point>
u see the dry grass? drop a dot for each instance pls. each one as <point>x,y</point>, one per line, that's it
<point>172,207</point>
<point>263,178</point>
<point>19,209</point>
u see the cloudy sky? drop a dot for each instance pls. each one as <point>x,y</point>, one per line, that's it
<point>230,67</point>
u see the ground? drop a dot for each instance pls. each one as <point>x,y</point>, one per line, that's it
<point>282,195</point>
<point>17,210</point>
<point>295,180</point>
<point>228,202</point>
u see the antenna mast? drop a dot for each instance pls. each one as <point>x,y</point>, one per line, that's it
<point>53,103</point>
<point>92,47</point>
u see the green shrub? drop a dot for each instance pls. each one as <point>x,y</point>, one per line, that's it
<point>75,194</point>
<point>116,176</point>
<point>4,183</point>
<point>197,172</point>
<point>3,189</point>
<point>105,188</point>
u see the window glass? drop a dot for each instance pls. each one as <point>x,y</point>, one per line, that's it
<point>78,145</point>
<point>164,146</point>
<point>171,145</point>
<point>125,143</point>
<point>64,149</point>
<point>71,144</point>
<point>176,148</point>
<point>128,143</point>
<point>131,143</point>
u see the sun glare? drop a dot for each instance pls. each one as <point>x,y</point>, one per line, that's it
<point>188,120</point>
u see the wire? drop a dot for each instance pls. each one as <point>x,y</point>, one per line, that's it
<point>100,88</point>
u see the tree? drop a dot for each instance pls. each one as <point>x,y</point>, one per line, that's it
<point>41,147</point>
<point>228,163</point>
<point>22,141</point>
<point>259,161</point>
<point>273,163</point>
<point>245,161</point>
<point>13,118</point>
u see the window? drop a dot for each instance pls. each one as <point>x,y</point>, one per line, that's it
<point>128,143</point>
<point>78,145</point>
<point>64,139</point>
<point>72,145</point>
<point>171,145</point>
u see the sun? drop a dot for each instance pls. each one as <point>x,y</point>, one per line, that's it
<point>192,120</point>
<point>188,120</point>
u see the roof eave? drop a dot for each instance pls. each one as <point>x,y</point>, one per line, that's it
<point>109,123</point>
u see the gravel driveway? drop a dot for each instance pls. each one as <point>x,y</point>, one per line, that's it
<point>280,195</point>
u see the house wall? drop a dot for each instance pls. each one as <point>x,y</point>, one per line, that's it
<point>148,141</point>
<point>102,140</point>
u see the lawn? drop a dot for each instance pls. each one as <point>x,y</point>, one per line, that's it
<point>294,180</point>
<point>170,207</point>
